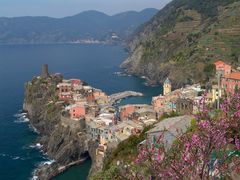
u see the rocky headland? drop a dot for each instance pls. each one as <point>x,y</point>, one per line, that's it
<point>62,139</point>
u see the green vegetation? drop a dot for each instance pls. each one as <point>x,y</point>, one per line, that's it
<point>168,115</point>
<point>183,41</point>
<point>208,8</point>
<point>126,152</point>
<point>112,173</point>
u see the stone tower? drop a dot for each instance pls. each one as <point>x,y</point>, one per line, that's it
<point>167,87</point>
<point>45,73</point>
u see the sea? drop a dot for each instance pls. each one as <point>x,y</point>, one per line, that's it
<point>96,64</point>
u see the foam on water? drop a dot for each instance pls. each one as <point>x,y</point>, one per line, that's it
<point>34,178</point>
<point>21,118</point>
<point>12,156</point>
<point>37,146</point>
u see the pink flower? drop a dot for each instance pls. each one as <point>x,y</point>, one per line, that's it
<point>195,139</point>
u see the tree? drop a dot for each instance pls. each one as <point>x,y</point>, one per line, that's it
<point>209,151</point>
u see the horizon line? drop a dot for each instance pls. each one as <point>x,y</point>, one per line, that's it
<point>138,11</point>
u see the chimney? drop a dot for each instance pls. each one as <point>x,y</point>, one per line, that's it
<point>45,73</point>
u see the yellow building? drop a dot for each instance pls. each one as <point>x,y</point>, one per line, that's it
<point>167,87</point>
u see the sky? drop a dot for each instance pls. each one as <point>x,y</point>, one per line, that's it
<point>62,8</point>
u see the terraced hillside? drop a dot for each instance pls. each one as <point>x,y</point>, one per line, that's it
<point>184,39</point>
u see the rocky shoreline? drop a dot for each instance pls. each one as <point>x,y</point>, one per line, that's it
<point>62,139</point>
<point>58,140</point>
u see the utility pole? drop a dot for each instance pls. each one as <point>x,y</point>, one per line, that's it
<point>219,87</point>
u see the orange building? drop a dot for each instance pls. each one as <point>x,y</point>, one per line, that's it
<point>158,102</point>
<point>127,110</point>
<point>230,82</point>
<point>99,94</point>
<point>223,68</point>
<point>96,95</point>
<point>77,111</point>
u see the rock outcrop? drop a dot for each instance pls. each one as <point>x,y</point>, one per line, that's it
<point>63,140</point>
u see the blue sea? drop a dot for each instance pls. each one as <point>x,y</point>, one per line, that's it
<point>95,64</point>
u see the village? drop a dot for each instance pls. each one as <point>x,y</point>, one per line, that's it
<point>109,124</point>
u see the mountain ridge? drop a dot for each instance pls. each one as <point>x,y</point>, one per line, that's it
<point>184,39</point>
<point>93,25</point>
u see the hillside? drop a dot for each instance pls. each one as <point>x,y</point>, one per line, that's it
<point>89,25</point>
<point>184,39</point>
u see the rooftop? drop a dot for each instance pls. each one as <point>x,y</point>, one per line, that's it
<point>64,84</point>
<point>219,62</point>
<point>235,75</point>
<point>167,81</point>
<point>172,124</point>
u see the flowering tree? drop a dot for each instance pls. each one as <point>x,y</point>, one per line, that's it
<point>209,150</point>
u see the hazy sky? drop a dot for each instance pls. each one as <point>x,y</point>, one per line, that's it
<point>61,8</point>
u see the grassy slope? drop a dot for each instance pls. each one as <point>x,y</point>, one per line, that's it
<point>188,40</point>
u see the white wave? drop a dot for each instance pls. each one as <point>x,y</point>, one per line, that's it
<point>3,155</point>
<point>38,146</point>
<point>33,129</point>
<point>34,178</point>
<point>21,118</point>
<point>16,158</point>
<point>120,74</point>
<point>11,156</point>
<point>20,115</point>
<point>48,162</point>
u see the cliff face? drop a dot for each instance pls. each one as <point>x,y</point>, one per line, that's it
<point>184,39</point>
<point>63,140</point>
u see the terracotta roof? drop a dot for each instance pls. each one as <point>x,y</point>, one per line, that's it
<point>219,62</point>
<point>235,75</point>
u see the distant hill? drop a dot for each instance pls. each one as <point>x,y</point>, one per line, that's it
<point>89,25</point>
<point>184,39</point>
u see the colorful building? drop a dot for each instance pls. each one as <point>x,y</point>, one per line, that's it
<point>77,111</point>
<point>64,87</point>
<point>64,91</point>
<point>158,102</point>
<point>223,68</point>
<point>75,82</point>
<point>66,96</point>
<point>126,111</point>
<point>231,82</point>
<point>97,95</point>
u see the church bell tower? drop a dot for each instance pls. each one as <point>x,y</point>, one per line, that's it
<point>167,87</point>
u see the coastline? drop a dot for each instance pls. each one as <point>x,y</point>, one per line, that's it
<point>65,140</point>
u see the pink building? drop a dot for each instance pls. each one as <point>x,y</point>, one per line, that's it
<point>158,102</point>
<point>223,67</point>
<point>75,82</point>
<point>126,111</point>
<point>230,82</point>
<point>77,111</point>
